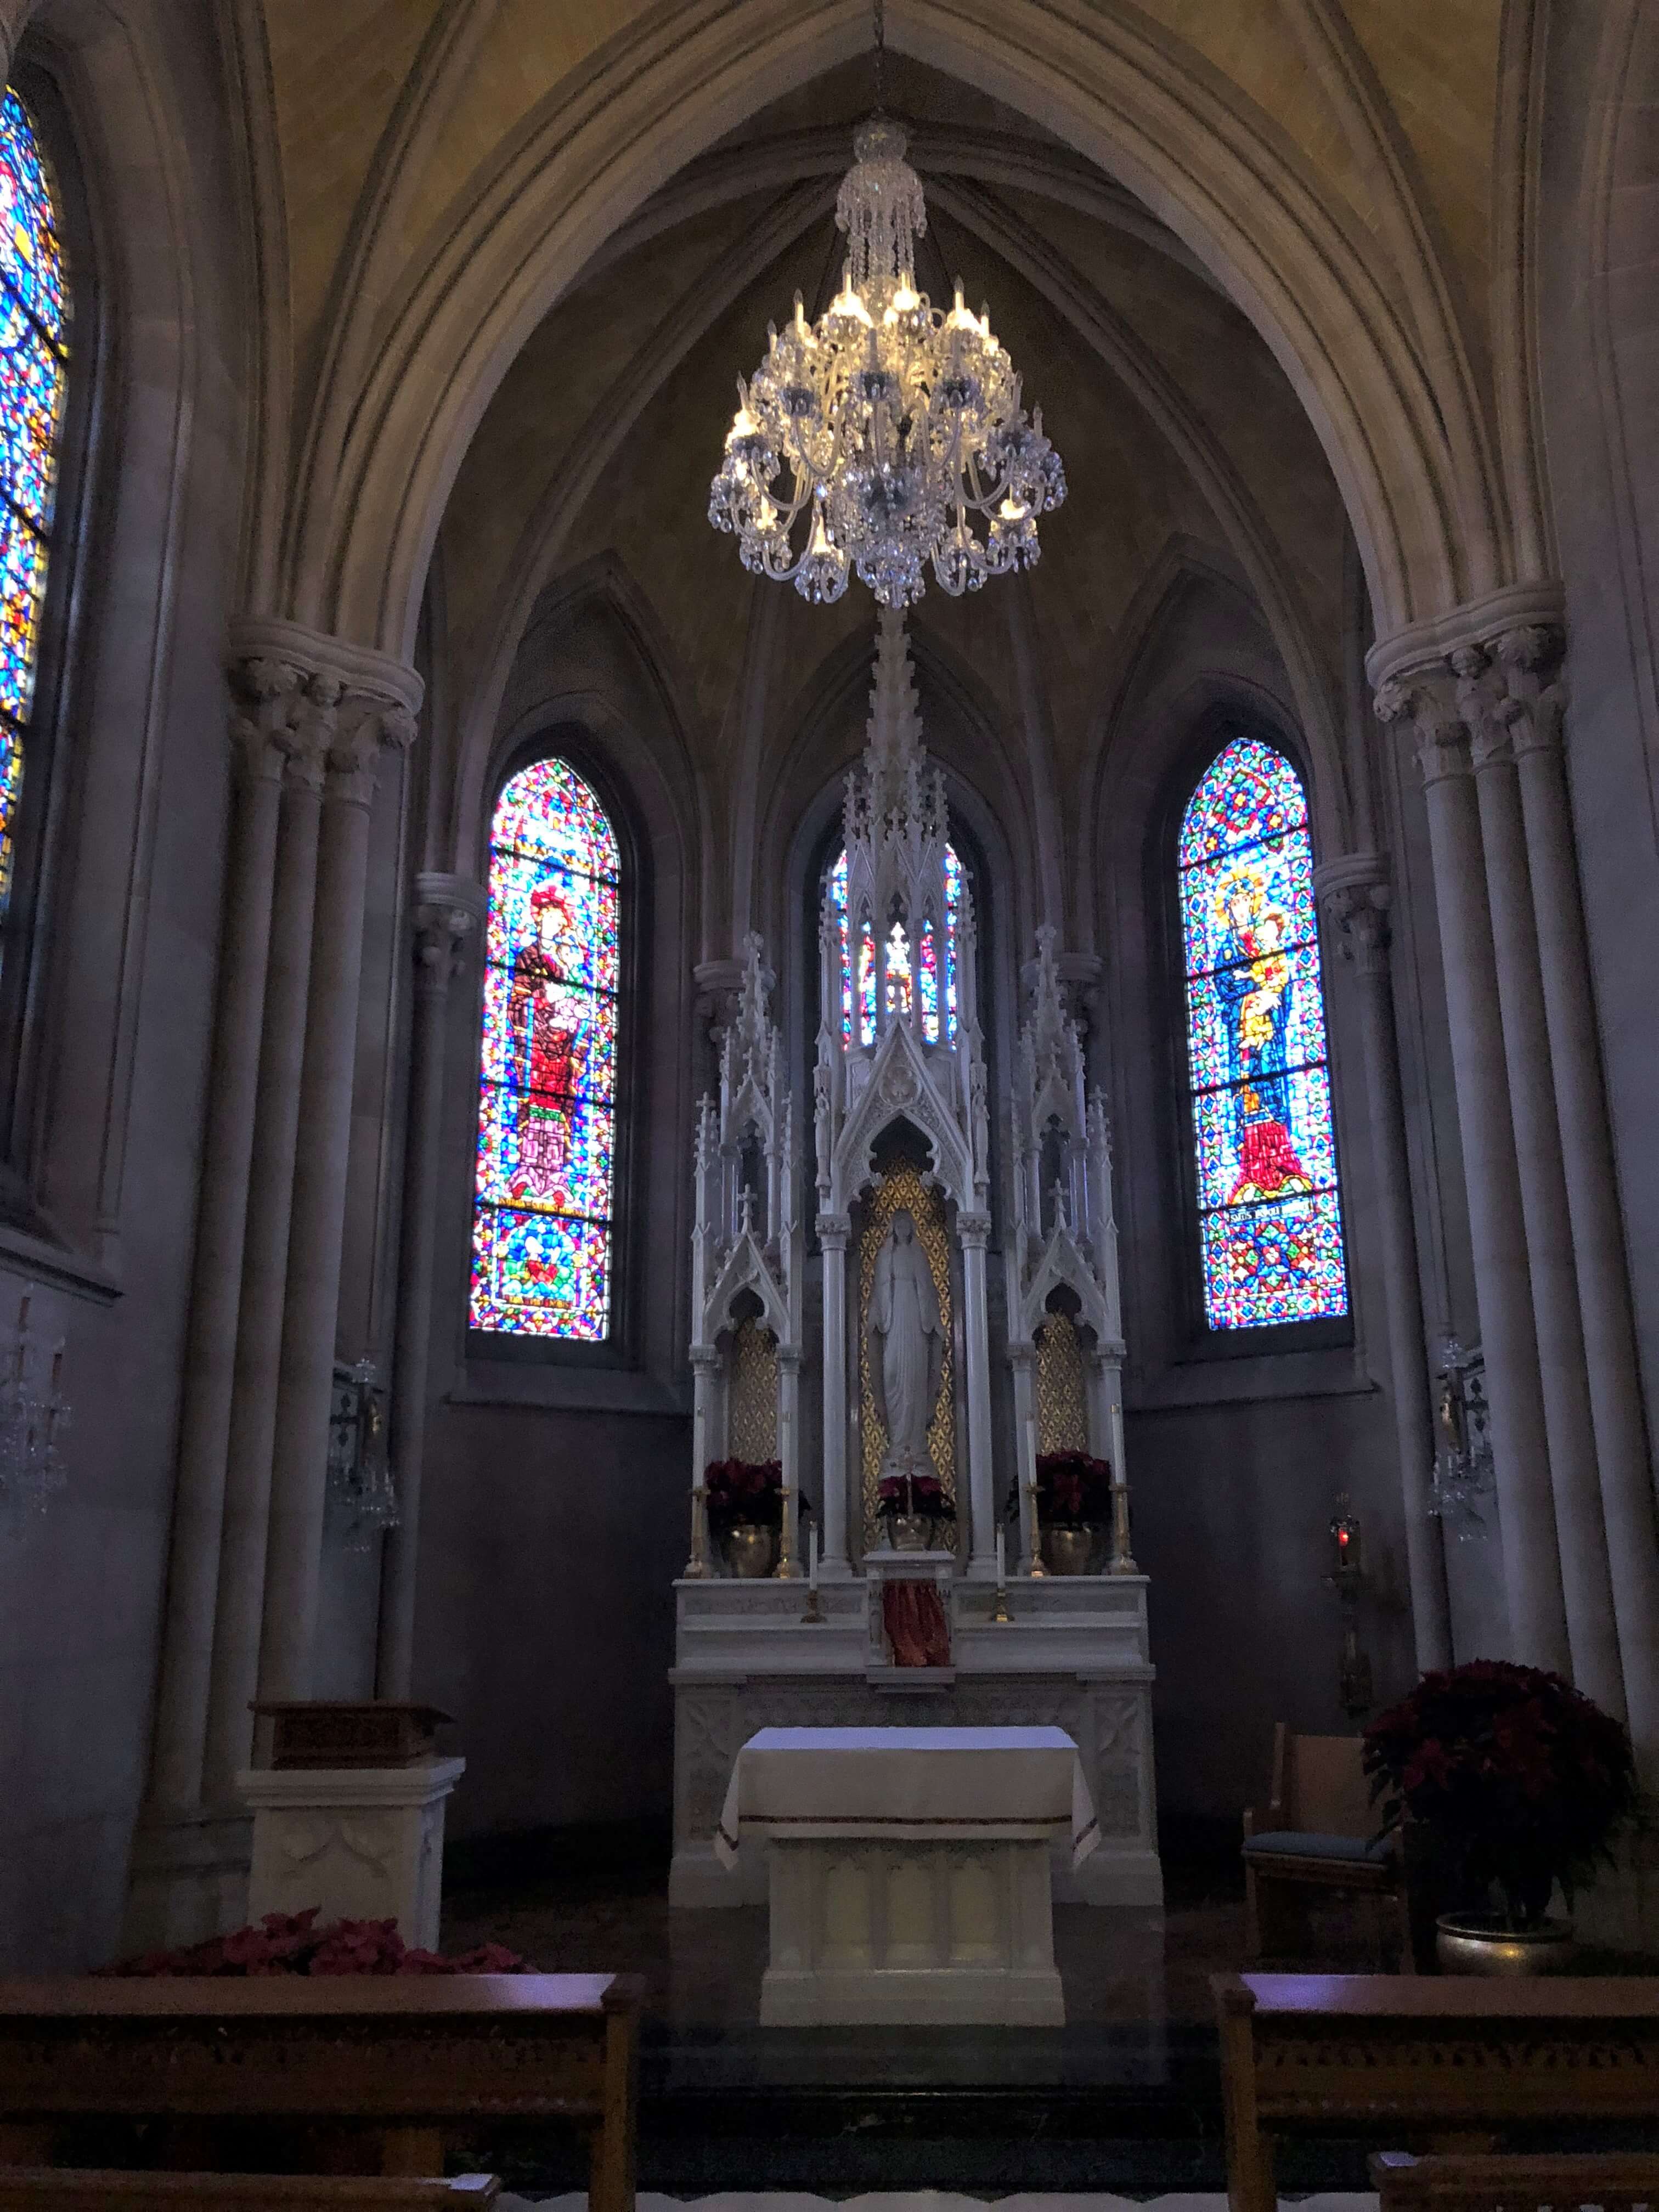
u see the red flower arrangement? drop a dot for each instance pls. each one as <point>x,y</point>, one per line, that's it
<point>1520,1778</point>
<point>1073,1491</point>
<point>915,1493</point>
<point>743,1491</point>
<point>292,1944</point>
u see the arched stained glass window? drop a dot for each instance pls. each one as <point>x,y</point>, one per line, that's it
<point>905,973</point>
<point>1270,1212</point>
<point>543,1261</point>
<point>33,376</point>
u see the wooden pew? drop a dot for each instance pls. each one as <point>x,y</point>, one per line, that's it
<point>392,2064</point>
<point>1401,2055</point>
<point>1613,2181</point>
<point>63,2189</point>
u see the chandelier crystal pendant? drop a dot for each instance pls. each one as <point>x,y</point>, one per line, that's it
<point>872,439</point>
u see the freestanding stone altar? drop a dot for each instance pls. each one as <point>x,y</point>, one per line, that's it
<point>915,1493</point>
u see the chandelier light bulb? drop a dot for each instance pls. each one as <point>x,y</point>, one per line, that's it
<point>887,436</point>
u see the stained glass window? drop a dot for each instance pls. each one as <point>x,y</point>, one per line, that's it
<point>936,951</point>
<point>542,1248</point>
<point>34,375</point>
<point>1270,1212</point>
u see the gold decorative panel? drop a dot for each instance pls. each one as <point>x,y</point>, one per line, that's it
<point>751,1415</point>
<point>1062,1408</point>
<point>904,1188</point>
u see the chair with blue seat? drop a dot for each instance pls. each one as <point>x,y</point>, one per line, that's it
<point>1315,1836</point>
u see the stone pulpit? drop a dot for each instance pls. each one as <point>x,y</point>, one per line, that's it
<point>898,1610</point>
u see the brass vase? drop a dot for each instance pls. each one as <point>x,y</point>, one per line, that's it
<point>1069,1551</point>
<point>1480,1943</point>
<point>911,1532</point>
<point>749,1551</point>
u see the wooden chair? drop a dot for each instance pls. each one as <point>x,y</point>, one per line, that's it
<point>1315,1838</point>
<point>1615,2181</point>
<point>69,2188</point>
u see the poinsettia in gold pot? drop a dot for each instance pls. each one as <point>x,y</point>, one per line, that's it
<point>743,1500</point>
<point>1520,1782</point>
<point>1074,1503</point>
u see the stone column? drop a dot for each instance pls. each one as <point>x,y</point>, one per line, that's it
<point>975,1230</point>
<point>370,717</point>
<point>447,908</point>
<point>264,1245</point>
<point>1356,895</point>
<point>833,1231</point>
<point>1581,1538</point>
<point>1532,1567</point>
<point>268,693</point>
<point>1530,660</point>
<point>1022,1358</point>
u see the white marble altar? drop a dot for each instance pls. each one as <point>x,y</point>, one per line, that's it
<point>363,1842</point>
<point>898,1354</point>
<point>909,1870</point>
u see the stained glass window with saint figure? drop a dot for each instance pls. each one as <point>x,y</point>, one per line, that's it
<point>935,961</point>
<point>34,318</point>
<point>1270,1212</point>
<point>543,1257</point>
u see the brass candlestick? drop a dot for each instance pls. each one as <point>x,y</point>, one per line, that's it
<point>1036,1528</point>
<point>1122,1560</point>
<point>785,1570</point>
<point>697,1567</point>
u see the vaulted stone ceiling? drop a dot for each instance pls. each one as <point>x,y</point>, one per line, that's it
<point>401,133</point>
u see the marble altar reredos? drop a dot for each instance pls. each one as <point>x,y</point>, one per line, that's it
<point>905,1224</point>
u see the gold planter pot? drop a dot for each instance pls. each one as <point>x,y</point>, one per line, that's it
<point>1480,1943</point>
<point>1068,1550</point>
<point>749,1551</point>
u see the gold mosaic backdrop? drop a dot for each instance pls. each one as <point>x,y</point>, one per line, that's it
<point>903,1188</point>
<point>751,1407</point>
<point>1062,1409</point>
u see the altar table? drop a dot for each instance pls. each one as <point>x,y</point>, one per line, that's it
<point>910,1870</point>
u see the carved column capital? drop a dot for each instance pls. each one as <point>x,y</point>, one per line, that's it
<point>447,910</point>
<point>328,705</point>
<point>1425,701</point>
<point>1532,657</point>
<point>1356,895</point>
<point>1022,1355</point>
<point>834,1229</point>
<point>974,1229</point>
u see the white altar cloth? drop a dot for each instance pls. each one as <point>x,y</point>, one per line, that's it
<point>910,1869</point>
<point>807,1781</point>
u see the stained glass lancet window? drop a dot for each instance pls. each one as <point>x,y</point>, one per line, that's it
<point>1270,1212</point>
<point>34,375</point>
<point>934,958</point>
<point>542,1261</point>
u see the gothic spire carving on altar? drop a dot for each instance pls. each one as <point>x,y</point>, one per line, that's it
<point>1065,1312</point>
<point>746,1261</point>
<point>898,1021</point>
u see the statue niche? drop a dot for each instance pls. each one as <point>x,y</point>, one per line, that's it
<point>907,1348</point>
<point>921,1400</point>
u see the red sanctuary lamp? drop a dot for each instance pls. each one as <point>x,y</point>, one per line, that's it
<point>1347,1569</point>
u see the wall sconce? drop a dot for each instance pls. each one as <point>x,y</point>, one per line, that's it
<point>361,1489</point>
<point>1347,1555</point>
<point>1462,1479</point>
<point>33,1415</point>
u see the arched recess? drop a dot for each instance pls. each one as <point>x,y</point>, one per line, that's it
<point>586,682</point>
<point>1408,456</point>
<point>1246,644</point>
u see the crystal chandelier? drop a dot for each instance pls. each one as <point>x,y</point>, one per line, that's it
<point>871,439</point>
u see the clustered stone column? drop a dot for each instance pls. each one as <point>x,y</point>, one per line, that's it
<point>447,910</point>
<point>312,718</point>
<point>1483,701</point>
<point>1356,895</point>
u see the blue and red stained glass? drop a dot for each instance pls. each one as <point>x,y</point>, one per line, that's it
<point>1270,1209</point>
<point>34,375</point>
<point>544,1199</point>
<point>858,962</point>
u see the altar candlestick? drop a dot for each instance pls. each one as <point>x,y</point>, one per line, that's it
<point>999,1616</point>
<point>1002,1560</point>
<point>812,1558</point>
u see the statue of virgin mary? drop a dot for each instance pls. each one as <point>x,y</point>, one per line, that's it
<point>907,1347</point>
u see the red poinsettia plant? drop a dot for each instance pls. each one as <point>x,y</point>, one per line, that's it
<point>743,1492</point>
<point>914,1493</point>
<point>1519,1777</point>
<point>1073,1491</point>
<point>293,1943</point>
